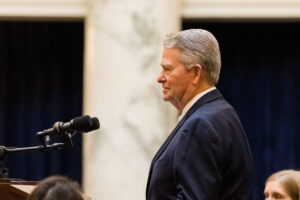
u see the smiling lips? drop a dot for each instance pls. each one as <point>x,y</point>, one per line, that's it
<point>165,90</point>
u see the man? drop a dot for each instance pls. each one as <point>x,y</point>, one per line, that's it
<point>207,156</point>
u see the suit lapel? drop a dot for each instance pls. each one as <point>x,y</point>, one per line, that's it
<point>161,150</point>
<point>167,141</point>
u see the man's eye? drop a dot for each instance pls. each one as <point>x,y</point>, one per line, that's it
<point>167,68</point>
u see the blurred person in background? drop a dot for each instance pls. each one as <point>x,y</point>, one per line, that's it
<point>283,185</point>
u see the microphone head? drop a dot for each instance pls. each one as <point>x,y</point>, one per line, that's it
<point>95,123</point>
<point>82,123</point>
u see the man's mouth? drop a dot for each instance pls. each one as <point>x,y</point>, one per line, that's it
<point>165,90</point>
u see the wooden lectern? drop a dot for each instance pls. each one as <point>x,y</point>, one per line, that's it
<point>15,190</point>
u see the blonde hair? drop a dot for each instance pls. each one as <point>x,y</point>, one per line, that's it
<point>289,180</point>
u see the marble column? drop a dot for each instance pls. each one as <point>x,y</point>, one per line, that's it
<point>122,55</point>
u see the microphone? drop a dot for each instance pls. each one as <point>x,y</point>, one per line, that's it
<point>82,124</point>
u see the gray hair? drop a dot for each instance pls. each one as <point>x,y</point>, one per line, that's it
<point>198,46</point>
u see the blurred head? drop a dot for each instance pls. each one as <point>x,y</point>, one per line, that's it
<point>56,188</point>
<point>190,64</point>
<point>283,185</point>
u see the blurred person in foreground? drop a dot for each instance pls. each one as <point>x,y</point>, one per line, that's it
<point>56,188</point>
<point>283,185</point>
<point>207,156</point>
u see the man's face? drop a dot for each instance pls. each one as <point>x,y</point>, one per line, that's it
<point>175,79</point>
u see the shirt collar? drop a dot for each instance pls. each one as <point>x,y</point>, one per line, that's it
<point>193,100</point>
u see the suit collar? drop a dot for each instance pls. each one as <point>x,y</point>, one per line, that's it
<point>210,96</point>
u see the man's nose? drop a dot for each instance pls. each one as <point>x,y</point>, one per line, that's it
<point>161,78</point>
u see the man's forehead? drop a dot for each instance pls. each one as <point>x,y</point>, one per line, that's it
<point>171,56</point>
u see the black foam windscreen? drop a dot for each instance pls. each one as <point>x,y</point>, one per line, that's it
<point>95,123</point>
<point>82,123</point>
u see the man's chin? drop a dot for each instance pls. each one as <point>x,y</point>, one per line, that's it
<point>165,98</point>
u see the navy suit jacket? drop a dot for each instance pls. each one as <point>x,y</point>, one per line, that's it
<point>206,157</point>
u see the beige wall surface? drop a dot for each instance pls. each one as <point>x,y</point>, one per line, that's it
<point>42,8</point>
<point>241,9</point>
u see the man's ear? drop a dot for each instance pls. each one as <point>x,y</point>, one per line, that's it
<point>197,72</point>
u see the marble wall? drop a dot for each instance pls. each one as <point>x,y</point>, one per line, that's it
<point>122,56</point>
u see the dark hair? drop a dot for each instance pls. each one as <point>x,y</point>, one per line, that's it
<point>56,188</point>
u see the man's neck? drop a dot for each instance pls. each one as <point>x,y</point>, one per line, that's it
<point>198,90</point>
<point>194,100</point>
